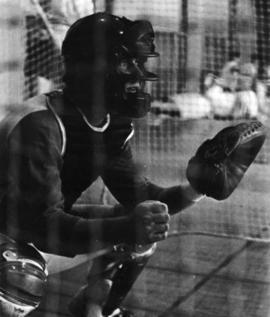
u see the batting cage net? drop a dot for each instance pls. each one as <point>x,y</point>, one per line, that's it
<point>213,69</point>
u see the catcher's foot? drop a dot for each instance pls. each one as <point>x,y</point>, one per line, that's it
<point>121,312</point>
<point>95,310</point>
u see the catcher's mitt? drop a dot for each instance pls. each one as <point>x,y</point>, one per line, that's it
<point>220,163</point>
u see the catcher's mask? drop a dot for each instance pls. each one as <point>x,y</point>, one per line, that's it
<point>23,277</point>
<point>118,50</point>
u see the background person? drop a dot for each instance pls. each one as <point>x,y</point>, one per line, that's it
<point>246,103</point>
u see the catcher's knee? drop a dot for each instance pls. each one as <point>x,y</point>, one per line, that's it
<point>107,265</point>
<point>23,278</point>
<point>136,253</point>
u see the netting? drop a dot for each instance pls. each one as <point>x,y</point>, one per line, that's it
<point>199,40</point>
<point>46,23</point>
<point>11,55</point>
<point>201,82</point>
<point>195,40</point>
<point>199,44</point>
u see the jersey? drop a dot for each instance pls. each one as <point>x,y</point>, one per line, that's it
<point>49,156</point>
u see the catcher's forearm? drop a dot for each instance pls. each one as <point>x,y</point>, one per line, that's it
<point>109,231</point>
<point>179,197</point>
<point>91,211</point>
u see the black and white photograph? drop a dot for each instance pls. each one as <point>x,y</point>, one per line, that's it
<point>134,158</point>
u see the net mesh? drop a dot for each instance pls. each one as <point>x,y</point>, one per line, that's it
<point>199,40</point>
<point>46,23</point>
<point>164,150</point>
<point>196,41</point>
<point>42,67</point>
<point>195,38</point>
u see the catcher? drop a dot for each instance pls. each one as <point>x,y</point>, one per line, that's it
<point>56,145</point>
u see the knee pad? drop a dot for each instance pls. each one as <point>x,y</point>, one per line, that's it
<point>107,266</point>
<point>23,277</point>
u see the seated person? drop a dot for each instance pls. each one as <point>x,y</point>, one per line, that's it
<point>221,92</point>
<point>246,103</point>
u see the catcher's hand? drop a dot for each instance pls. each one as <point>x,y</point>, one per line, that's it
<point>220,163</point>
<point>150,221</point>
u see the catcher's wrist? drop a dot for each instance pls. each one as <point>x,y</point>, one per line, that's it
<point>119,210</point>
<point>200,197</point>
<point>192,195</point>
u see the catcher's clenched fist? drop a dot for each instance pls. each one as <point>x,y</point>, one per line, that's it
<point>150,222</point>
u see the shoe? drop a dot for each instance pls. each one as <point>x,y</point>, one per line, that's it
<point>122,312</point>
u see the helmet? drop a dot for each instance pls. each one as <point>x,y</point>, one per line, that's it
<point>106,40</point>
<point>106,34</point>
<point>23,277</point>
